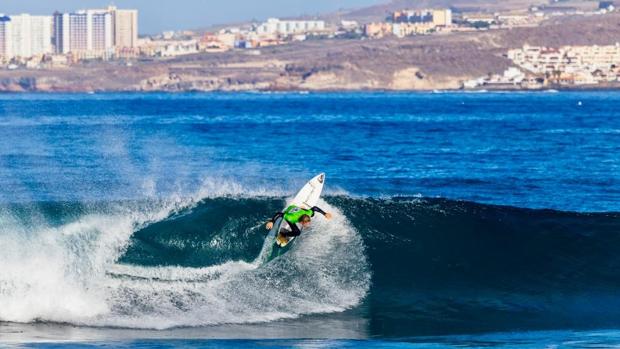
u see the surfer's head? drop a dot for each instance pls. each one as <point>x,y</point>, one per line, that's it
<point>305,220</point>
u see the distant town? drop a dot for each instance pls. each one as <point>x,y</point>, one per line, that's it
<point>63,40</point>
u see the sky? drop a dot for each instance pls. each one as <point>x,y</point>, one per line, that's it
<point>159,15</point>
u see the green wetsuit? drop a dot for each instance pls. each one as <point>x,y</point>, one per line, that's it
<point>292,215</point>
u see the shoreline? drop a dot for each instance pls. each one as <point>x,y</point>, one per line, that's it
<point>554,89</point>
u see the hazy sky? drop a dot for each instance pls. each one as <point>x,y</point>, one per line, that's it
<point>159,15</point>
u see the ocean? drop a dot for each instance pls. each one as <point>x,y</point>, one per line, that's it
<point>462,220</point>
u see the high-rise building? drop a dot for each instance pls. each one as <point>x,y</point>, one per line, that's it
<point>88,31</point>
<point>5,38</point>
<point>41,34</point>
<point>102,32</point>
<point>78,32</point>
<point>61,33</point>
<point>125,27</point>
<point>25,36</point>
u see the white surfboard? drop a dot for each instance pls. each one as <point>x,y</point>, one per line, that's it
<point>309,195</point>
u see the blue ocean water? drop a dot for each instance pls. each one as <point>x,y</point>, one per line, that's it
<point>462,220</point>
<point>545,150</point>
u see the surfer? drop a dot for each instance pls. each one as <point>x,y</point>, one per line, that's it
<point>294,215</point>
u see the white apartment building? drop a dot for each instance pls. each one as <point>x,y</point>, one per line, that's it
<point>5,38</point>
<point>280,27</point>
<point>83,31</point>
<point>92,33</point>
<point>25,36</point>
<point>594,57</point>
<point>571,64</point>
<point>566,58</point>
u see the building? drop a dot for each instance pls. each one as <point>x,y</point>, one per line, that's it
<point>412,16</point>
<point>279,27</point>
<point>518,19</point>
<point>5,38</point>
<point>442,18</point>
<point>217,42</point>
<point>32,35</point>
<point>439,17</point>
<point>25,36</point>
<point>124,27</point>
<point>349,25</point>
<point>102,32</point>
<point>408,29</point>
<point>487,18</point>
<point>85,33</point>
<point>578,65</point>
<point>60,33</point>
<point>378,30</point>
<point>169,48</point>
<point>95,33</point>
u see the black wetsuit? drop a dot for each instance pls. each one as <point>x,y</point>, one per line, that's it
<point>295,231</point>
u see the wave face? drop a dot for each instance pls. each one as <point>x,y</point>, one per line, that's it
<point>170,265</point>
<point>410,266</point>
<point>443,266</point>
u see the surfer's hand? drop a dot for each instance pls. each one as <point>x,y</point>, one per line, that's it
<point>269,225</point>
<point>328,215</point>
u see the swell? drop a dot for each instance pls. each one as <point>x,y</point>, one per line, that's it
<point>443,266</point>
<point>436,266</point>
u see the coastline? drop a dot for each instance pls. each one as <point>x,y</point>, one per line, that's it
<point>419,63</point>
<point>484,89</point>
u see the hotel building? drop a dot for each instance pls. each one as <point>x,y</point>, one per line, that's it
<point>83,31</point>
<point>5,38</point>
<point>95,33</point>
<point>25,36</point>
<point>125,27</point>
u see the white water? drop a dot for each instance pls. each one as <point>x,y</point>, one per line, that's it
<point>69,273</point>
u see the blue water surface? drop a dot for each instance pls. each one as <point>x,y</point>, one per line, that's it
<point>532,150</point>
<point>537,150</point>
<point>513,340</point>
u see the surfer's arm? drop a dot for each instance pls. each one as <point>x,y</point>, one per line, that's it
<point>319,210</point>
<point>276,216</point>
<point>273,220</point>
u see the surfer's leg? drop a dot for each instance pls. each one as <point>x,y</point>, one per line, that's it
<point>294,230</point>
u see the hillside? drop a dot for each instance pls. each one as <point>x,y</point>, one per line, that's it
<point>414,63</point>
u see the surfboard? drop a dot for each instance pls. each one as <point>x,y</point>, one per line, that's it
<point>307,198</point>
<point>310,194</point>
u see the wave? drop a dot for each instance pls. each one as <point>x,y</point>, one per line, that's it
<point>125,265</point>
<point>442,266</point>
<point>409,265</point>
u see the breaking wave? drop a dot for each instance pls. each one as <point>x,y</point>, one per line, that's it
<point>413,265</point>
<point>174,263</point>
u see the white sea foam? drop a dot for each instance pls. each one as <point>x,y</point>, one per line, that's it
<point>69,273</point>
